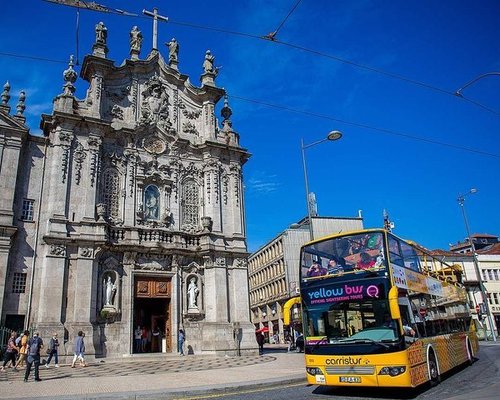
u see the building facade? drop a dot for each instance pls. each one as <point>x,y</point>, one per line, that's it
<point>274,270</point>
<point>128,212</point>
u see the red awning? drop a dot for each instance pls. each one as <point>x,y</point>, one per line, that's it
<point>262,330</point>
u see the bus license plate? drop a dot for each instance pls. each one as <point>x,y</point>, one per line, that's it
<point>350,379</point>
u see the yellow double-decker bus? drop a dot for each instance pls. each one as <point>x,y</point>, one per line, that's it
<point>380,311</point>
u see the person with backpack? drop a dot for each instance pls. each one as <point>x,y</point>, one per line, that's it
<point>53,351</point>
<point>23,348</point>
<point>10,352</point>
<point>35,344</point>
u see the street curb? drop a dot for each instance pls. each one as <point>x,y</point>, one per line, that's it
<point>164,394</point>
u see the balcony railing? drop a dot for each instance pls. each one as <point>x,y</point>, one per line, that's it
<point>140,236</point>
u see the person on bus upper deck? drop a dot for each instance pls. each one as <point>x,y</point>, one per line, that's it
<point>335,266</point>
<point>316,269</point>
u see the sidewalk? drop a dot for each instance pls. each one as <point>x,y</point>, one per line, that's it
<point>157,377</point>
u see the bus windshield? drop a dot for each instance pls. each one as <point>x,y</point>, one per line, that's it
<point>354,312</point>
<point>347,255</point>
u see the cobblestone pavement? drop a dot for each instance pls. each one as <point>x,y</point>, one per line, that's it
<point>140,366</point>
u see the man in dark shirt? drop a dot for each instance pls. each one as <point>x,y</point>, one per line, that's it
<point>34,346</point>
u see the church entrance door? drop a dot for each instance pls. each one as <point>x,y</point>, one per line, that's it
<point>152,314</point>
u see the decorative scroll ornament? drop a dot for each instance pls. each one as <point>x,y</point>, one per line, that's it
<point>79,156</point>
<point>58,250</point>
<point>94,143</point>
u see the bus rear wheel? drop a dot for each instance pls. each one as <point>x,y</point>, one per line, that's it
<point>433,370</point>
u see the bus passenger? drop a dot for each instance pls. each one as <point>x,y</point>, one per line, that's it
<point>335,266</point>
<point>316,269</point>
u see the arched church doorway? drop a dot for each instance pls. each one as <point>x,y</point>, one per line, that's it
<point>152,311</point>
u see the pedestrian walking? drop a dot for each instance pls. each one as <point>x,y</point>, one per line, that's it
<point>181,339</point>
<point>260,342</point>
<point>79,350</point>
<point>35,344</point>
<point>23,349</point>
<point>53,351</point>
<point>11,352</point>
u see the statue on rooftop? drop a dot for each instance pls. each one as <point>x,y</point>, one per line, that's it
<point>101,33</point>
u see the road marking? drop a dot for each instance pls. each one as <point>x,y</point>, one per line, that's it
<point>214,396</point>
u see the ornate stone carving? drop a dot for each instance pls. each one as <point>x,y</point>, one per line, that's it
<point>240,263</point>
<point>79,156</point>
<point>101,211</point>
<point>191,114</point>
<point>188,127</point>
<point>116,112</point>
<point>154,145</point>
<point>220,261</point>
<point>154,106</point>
<point>65,138</point>
<point>86,252</point>
<point>69,78</point>
<point>94,143</point>
<point>191,228</point>
<point>58,250</point>
<point>206,223</point>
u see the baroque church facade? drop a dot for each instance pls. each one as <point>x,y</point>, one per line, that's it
<point>128,211</point>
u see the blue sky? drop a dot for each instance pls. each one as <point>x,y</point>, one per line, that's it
<point>389,156</point>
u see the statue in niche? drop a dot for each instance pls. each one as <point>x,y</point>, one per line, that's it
<point>109,291</point>
<point>152,203</point>
<point>192,292</point>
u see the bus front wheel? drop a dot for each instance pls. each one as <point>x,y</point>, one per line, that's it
<point>433,370</point>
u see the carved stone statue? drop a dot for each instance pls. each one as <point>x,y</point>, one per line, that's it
<point>173,50</point>
<point>192,292</point>
<point>101,33</point>
<point>208,64</point>
<point>135,43</point>
<point>109,291</point>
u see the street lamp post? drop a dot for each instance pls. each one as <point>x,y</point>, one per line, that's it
<point>333,135</point>
<point>461,200</point>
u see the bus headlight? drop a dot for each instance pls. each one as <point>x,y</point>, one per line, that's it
<point>392,371</point>
<point>314,371</point>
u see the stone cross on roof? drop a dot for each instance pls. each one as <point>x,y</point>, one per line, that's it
<point>156,17</point>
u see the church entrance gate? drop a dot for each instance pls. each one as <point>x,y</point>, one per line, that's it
<point>152,312</point>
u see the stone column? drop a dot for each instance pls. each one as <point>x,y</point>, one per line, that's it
<point>239,305</point>
<point>51,281</point>
<point>216,301</point>
<point>83,299</point>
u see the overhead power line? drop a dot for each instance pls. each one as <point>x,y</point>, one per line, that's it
<point>271,37</point>
<point>366,126</point>
<point>273,34</point>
